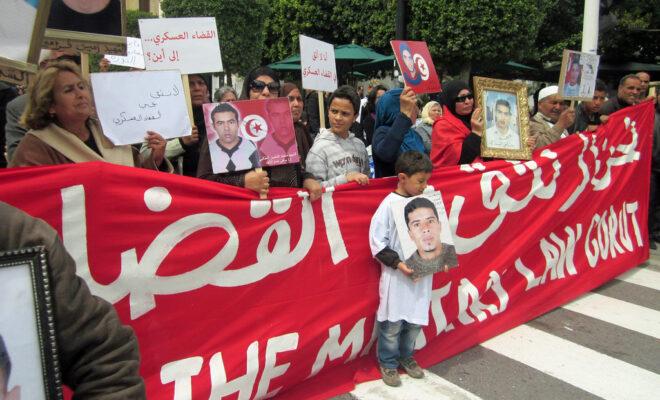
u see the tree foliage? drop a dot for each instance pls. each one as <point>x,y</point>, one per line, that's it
<point>467,32</point>
<point>240,27</point>
<point>632,38</point>
<point>368,23</point>
<point>132,18</point>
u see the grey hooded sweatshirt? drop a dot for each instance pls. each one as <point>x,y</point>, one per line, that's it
<point>332,157</point>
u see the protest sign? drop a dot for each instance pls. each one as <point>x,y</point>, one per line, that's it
<point>317,62</point>
<point>250,134</point>
<point>416,66</point>
<point>189,45</point>
<point>134,57</point>
<point>577,80</point>
<point>232,296</point>
<point>131,103</point>
<point>423,230</point>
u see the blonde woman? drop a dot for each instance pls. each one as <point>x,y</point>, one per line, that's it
<point>63,130</point>
<point>431,111</point>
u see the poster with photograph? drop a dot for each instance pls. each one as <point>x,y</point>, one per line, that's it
<point>416,66</point>
<point>89,16</point>
<point>129,104</point>
<point>243,135</point>
<point>502,130</point>
<point>28,366</point>
<point>424,233</point>
<point>579,71</point>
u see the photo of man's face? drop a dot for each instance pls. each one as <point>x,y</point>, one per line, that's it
<point>279,115</point>
<point>424,230</point>
<point>225,125</point>
<point>502,116</point>
<point>408,60</point>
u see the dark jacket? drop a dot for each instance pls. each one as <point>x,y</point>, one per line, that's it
<point>98,355</point>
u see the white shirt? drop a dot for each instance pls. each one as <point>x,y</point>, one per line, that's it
<point>400,297</point>
<point>495,139</point>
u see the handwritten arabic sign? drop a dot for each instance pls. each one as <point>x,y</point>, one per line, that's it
<point>248,134</point>
<point>416,66</point>
<point>134,57</point>
<point>317,60</point>
<point>187,44</point>
<point>577,80</point>
<point>131,103</point>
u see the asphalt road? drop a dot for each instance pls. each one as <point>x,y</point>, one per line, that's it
<point>605,344</point>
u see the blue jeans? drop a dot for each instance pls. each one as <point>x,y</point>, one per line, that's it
<point>396,340</point>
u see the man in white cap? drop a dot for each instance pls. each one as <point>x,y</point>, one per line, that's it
<point>549,124</point>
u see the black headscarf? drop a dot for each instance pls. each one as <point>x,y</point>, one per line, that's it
<point>450,91</point>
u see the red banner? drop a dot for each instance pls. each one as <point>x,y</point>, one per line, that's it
<point>234,296</point>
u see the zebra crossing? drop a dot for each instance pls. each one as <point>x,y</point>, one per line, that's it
<point>603,345</point>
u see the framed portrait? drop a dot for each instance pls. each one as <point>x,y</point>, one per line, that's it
<point>424,234</point>
<point>506,118</point>
<point>87,26</point>
<point>29,366</point>
<point>577,80</point>
<point>21,35</point>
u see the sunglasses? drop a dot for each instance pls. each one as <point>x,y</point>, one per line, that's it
<point>259,86</point>
<point>461,99</point>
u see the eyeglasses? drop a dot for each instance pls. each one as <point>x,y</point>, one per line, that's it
<point>259,86</point>
<point>461,99</point>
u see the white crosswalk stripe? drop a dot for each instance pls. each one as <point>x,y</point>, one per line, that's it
<point>580,369</point>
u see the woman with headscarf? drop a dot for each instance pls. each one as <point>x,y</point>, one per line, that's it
<point>430,113</point>
<point>261,83</point>
<point>63,128</point>
<point>395,117</point>
<point>456,137</point>
<point>291,91</point>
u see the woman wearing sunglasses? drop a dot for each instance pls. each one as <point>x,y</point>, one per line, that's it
<point>261,83</point>
<point>456,137</point>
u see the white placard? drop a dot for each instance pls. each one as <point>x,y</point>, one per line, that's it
<point>317,61</point>
<point>134,57</point>
<point>189,45</point>
<point>129,104</point>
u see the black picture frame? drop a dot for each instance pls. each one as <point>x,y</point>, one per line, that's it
<point>34,259</point>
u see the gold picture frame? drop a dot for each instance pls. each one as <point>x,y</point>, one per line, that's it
<point>19,71</point>
<point>504,108</point>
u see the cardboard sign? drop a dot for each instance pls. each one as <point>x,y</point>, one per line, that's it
<point>317,60</point>
<point>424,234</point>
<point>416,66</point>
<point>248,134</point>
<point>134,57</point>
<point>189,45</point>
<point>17,26</point>
<point>131,103</point>
<point>579,71</point>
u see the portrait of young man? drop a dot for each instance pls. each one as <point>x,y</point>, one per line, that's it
<point>231,152</point>
<point>424,229</point>
<point>499,132</point>
<point>5,370</point>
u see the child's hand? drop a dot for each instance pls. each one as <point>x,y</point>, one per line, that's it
<point>404,268</point>
<point>358,177</point>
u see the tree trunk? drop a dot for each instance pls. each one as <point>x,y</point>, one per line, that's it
<point>465,72</point>
<point>228,75</point>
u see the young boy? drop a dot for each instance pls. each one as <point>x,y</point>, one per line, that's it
<point>337,156</point>
<point>404,302</point>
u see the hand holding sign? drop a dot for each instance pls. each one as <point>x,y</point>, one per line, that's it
<point>416,66</point>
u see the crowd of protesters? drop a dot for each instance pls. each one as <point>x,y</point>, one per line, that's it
<point>54,123</point>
